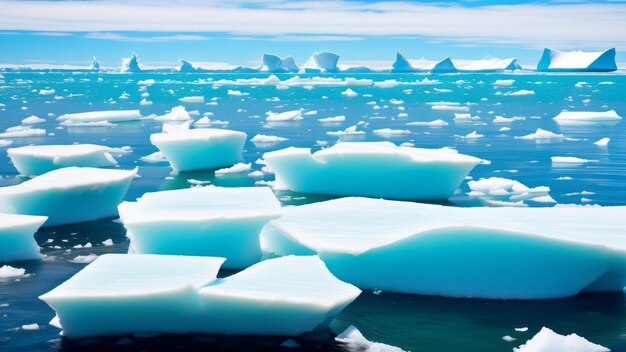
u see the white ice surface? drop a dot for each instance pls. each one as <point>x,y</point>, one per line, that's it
<point>99,116</point>
<point>547,340</point>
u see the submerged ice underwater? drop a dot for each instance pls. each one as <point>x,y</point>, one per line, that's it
<point>178,210</point>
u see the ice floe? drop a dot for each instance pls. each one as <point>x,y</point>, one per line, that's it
<point>541,135</point>
<point>587,118</point>
<point>68,195</point>
<point>16,237</point>
<point>38,159</point>
<point>497,191</point>
<point>22,132</point>
<point>292,115</point>
<point>434,123</point>
<point>100,116</point>
<point>577,61</point>
<point>8,272</point>
<point>201,148</point>
<point>32,120</point>
<point>373,169</point>
<point>570,160</point>
<point>178,113</point>
<point>144,293</point>
<point>478,252</point>
<point>547,340</point>
<point>208,221</point>
<point>354,341</point>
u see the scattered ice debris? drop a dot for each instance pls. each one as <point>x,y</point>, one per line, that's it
<point>68,195</point>
<point>236,93</point>
<point>9,272</point>
<point>16,237</point>
<point>471,135</point>
<point>504,82</point>
<point>202,148</point>
<point>293,115</point>
<point>146,82</point>
<point>547,340</point>
<point>520,93</point>
<point>349,93</point>
<point>156,157</point>
<point>22,131</point>
<point>465,117</point>
<point>178,113</point>
<point>84,259</point>
<point>266,139</point>
<point>107,243</point>
<point>340,118</point>
<point>235,169</point>
<point>602,142</point>
<point>38,159</point>
<point>99,116</point>
<point>587,117</point>
<point>434,123</point>
<point>447,106</point>
<point>208,221</point>
<point>32,120</point>
<point>524,329</point>
<point>497,191</point>
<point>47,92</point>
<point>542,135</point>
<point>192,100</point>
<point>296,294</point>
<point>354,341</point>
<point>30,327</point>
<point>577,61</point>
<point>502,119</point>
<point>350,131</point>
<point>570,160</point>
<point>175,126</point>
<point>335,170</point>
<point>195,182</point>
<point>5,142</point>
<point>508,338</point>
<point>431,249</point>
<point>389,132</point>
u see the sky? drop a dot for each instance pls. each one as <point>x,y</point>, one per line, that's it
<point>238,32</point>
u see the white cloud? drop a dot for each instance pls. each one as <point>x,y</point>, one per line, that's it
<point>591,25</point>
<point>152,39</point>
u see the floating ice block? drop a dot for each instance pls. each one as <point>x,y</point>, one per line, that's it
<point>69,195</point>
<point>39,159</point>
<point>587,118</point>
<point>125,294</point>
<point>16,237</point>
<point>202,148</point>
<point>209,221</point>
<point>577,61</point>
<point>497,253</point>
<point>371,169</point>
<point>99,116</point>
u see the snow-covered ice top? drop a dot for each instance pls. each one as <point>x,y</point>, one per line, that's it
<point>459,252</point>
<point>547,340</point>
<point>131,64</point>
<point>273,63</point>
<point>297,294</point>
<point>577,61</point>
<point>99,116</point>
<point>16,237</point>
<point>587,117</point>
<point>38,159</point>
<point>321,62</point>
<point>201,148</point>
<point>68,195</point>
<point>374,169</point>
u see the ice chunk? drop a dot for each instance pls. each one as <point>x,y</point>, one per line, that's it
<point>178,113</point>
<point>497,191</point>
<point>577,61</point>
<point>372,169</point>
<point>131,64</point>
<point>38,159</point>
<point>520,92</point>
<point>16,237</point>
<point>273,63</point>
<point>124,294</point>
<point>570,160</point>
<point>235,169</point>
<point>356,342</point>
<point>459,252</point>
<point>196,99</point>
<point>434,123</point>
<point>389,132</point>
<point>504,82</point>
<point>349,93</point>
<point>9,272</point>
<point>547,340</point>
<point>587,118</point>
<point>203,148</point>
<point>98,116</point>
<point>22,131</point>
<point>332,119</point>
<point>542,135</point>
<point>266,139</point>
<point>321,62</point>
<point>293,115</point>
<point>209,221</point>
<point>69,195</point>
<point>32,120</point>
<point>603,142</point>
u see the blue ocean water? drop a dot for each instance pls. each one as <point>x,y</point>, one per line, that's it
<point>414,323</point>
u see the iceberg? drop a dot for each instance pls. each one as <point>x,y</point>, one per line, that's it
<point>547,340</point>
<point>100,116</point>
<point>95,65</point>
<point>577,61</point>
<point>371,169</point>
<point>186,66</point>
<point>143,293</point>
<point>321,62</point>
<point>488,64</point>
<point>201,148</point>
<point>201,221</point>
<point>444,66</point>
<point>38,159</point>
<point>459,252</point>
<point>587,118</point>
<point>448,65</point>
<point>69,195</point>
<point>273,63</point>
<point>404,65</point>
<point>16,237</point>
<point>131,64</point>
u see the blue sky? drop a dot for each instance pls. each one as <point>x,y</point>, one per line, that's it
<point>239,32</point>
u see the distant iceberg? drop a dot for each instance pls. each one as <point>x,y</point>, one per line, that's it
<point>201,221</point>
<point>371,169</point>
<point>273,63</point>
<point>131,64</point>
<point>16,237</point>
<point>186,66</point>
<point>488,64</point>
<point>444,66</point>
<point>321,62</point>
<point>459,252</point>
<point>141,293</point>
<point>404,65</point>
<point>95,65</point>
<point>69,195</point>
<point>577,61</point>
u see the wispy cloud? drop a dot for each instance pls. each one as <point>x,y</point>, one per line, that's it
<point>138,39</point>
<point>534,24</point>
